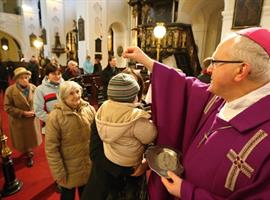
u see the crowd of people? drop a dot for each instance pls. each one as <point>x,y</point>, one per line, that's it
<point>221,128</point>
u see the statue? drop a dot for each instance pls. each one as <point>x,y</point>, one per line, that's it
<point>44,36</point>
<point>170,39</point>
<point>143,40</point>
<point>153,41</point>
<point>57,49</point>
<point>184,40</point>
<point>148,38</point>
<point>81,28</point>
<point>72,43</point>
<point>57,43</point>
<point>175,38</point>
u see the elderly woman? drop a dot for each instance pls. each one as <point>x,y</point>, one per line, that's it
<point>24,126</point>
<point>67,140</point>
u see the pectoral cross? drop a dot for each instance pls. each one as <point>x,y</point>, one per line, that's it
<point>209,133</point>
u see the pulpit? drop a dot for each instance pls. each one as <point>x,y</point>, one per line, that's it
<point>178,42</point>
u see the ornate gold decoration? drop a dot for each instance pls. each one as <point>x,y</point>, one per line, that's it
<point>5,150</point>
<point>11,183</point>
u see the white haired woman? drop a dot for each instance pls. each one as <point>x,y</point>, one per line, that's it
<point>24,126</point>
<point>67,140</point>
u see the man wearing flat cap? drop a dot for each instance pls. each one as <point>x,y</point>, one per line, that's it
<point>222,128</point>
<point>23,125</point>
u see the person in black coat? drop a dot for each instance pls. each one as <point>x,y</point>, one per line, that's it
<point>33,67</point>
<point>106,75</point>
<point>97,66</point>
<point>3,77</point>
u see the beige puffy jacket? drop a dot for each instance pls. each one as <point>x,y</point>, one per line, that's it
<point>67,143</point>
<point>124,130</point>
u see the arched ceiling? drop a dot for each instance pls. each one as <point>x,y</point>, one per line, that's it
<point>14,48</point>
<point>117,26</point>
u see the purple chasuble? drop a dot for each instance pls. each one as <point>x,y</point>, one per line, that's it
<point>232,163</point>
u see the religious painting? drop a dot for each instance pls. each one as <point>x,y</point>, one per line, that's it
<point>162,11</point>
<point>247,13</point>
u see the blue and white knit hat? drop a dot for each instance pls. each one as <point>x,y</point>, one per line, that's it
<point>123,88</point>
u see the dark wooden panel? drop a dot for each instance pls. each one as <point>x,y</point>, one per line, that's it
<point>178,41</point>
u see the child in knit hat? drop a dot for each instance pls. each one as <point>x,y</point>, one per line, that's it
<point>125,131</point>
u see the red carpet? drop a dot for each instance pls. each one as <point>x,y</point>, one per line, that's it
<point>37,181</point>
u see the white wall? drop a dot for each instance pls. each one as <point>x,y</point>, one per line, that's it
<point>99,16</point>
<point>94,14</point>
<point>205,17</point>
<point>83,9</point>
<point>29,24</point>
<point>53,21</point>
<point>117,18</point>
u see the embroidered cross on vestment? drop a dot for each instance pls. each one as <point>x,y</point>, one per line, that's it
<point>239,163</point>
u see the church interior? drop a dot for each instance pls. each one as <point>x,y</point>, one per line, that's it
<point>178,33</point>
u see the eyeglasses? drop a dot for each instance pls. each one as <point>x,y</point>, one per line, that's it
<point>211,61</point>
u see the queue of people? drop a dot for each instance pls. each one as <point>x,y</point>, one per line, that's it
<point>221,128</point>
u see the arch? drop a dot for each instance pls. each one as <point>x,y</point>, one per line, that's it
<point>117,27</point>
<point>119,40</point>
<point>206,20</point>
<point>15,51</point>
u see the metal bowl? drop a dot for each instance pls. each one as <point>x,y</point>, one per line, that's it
<point>162,159</point>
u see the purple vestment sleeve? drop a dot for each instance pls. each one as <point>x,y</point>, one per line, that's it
<point>177,105</point>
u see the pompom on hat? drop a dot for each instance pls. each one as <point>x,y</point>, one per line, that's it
<point>19,71</point>
<point>123,88</point>
<point>259,35</point>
